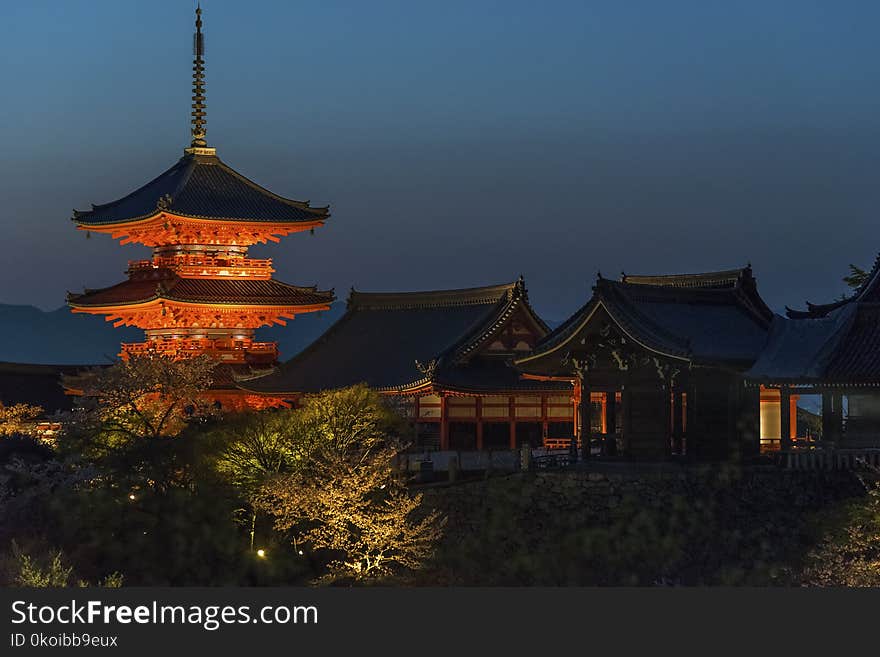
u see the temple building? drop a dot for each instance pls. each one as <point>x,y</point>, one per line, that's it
<point>666,355</point>
<point>444,356</point>
<point>830,351</point>
<point>200,293</point>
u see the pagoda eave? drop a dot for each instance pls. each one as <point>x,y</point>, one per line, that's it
<point>163,228</point>
<point>167,313</point>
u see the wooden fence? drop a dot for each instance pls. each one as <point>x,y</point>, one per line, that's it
<point>830,459</point>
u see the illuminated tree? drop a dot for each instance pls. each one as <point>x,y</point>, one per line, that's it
<point>344,495</point>
<point>255,447</point>
<point>850,553</point>
<point>149,396</point>
<point>18,419</point>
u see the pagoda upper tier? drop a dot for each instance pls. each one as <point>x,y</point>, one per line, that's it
<point>201,201</point>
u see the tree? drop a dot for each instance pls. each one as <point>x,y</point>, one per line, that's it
<point>56,573</point>
<point>18,419</point>
<point>355,506</point>
<point>148,396</point>
<point>345,497</point>
<point>850,553</point>
<point>856,277</point>
<point>256,446</point>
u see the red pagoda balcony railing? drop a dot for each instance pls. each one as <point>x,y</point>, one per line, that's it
<point>190,266</point>
<point>228,351</point>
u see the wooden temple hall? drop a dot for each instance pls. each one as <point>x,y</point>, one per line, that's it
<point>666,355</point>
<point>445,358</point>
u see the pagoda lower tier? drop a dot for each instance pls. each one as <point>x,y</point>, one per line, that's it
<point>185,316</point>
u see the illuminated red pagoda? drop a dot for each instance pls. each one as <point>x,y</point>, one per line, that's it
<point>200,293</point>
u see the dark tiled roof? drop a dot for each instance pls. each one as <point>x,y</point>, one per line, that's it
<point>850,353</point>
<point>800,349</point>
<point>856,358</point>
<point>37,385</point>
<point>202,186</point>
<point>384,339</point>
<point>169,286</point>
<point>706,318</point>
<point>839,348</point>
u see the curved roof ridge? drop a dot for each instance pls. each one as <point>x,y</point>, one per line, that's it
<point>721,278</point>
<point>486,295</point>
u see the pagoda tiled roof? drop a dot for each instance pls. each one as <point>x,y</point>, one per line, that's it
<point>836,343</point>
<point>713,318</point>
<point>168,285</point>
<point>403,340</point>
<point>202,187</point>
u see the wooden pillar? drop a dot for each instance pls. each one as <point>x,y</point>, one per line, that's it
<point>479,422</point>
<point>827,418</point>
<point>444,422</point>
<point>626,415</point>
<point>511,409</point>
<point>545,423</point>
<point>610,422</point>
<point>586,417</point>
<point>417,413</point>
<point>667,414</point>
<point>784,419</point>
<point>611,412</point>
<point>837,402</point>
<point>677,421</point>
<point>690,420</point>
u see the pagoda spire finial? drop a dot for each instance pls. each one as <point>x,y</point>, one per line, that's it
<point>199,104</point>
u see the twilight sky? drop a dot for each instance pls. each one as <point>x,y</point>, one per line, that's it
<point>460,143</point>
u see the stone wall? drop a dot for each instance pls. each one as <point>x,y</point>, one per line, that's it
<point>709,524</point>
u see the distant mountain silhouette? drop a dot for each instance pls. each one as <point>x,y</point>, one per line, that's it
<point>60,337</point>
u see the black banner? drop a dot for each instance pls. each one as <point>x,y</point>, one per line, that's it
<point>216,621</point>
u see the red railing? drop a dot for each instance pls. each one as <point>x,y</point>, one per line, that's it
<point>191,266</point>
<point>233,351</point>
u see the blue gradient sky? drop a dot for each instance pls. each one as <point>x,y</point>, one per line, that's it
<point>461,143</point>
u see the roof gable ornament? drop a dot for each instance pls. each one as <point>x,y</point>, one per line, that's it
<point>199,144</point>
<point>428,369</point>
<point>164,202</point>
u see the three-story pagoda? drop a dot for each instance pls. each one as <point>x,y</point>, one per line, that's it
<point>200,293</point>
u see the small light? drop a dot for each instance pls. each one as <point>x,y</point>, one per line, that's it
<point>261,553</point>
<point>300,551</point>
<point>131,497</point>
